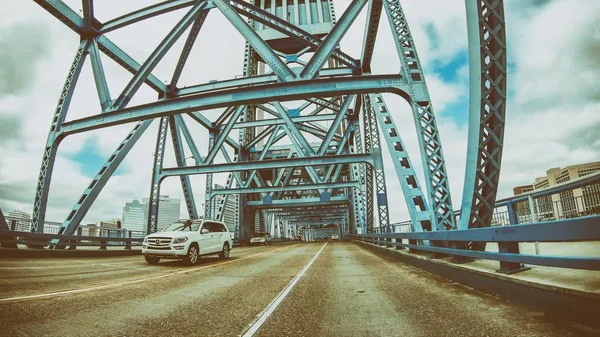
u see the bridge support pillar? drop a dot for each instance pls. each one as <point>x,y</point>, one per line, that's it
<point>510,267</point>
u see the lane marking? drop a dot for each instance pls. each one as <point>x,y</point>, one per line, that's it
<point>282,295</point>
<point>119,284</point>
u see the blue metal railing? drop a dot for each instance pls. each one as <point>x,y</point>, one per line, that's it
<point>547,222</point>
<point>9,238</point>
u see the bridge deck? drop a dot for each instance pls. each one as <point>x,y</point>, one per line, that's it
<point>346,291</point>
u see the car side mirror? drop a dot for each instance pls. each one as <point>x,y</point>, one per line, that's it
<point>204,231</point>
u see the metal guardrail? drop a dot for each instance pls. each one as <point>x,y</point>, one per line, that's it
<point>10,238</point>
<point>508,237</point>
<point>547,204</point>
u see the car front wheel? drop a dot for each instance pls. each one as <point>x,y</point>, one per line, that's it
<point>193,255</point>
<point>152,259</point>
<point>225,251</point>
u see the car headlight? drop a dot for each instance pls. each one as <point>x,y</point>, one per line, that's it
<point>180,240</point>
<point>145,239</point>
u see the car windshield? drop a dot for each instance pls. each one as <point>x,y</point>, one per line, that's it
<point>260,234</point>
<point>186,226</point>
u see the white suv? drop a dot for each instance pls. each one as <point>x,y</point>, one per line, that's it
<point>187,240</point>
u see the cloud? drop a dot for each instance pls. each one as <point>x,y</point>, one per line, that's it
<point>10,127</point>
<point>22,45</point>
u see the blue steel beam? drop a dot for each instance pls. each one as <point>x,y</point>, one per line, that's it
<point>99,77</point>
<point>158,54</point>
<point>270,164</point>
<point>159,155</point>
<point>91,193</point>
<point>74,21</point>
<point>413,195</point>
<point>334,126</point>
<point>487,109</point>
<point>304,187</point>
<point>261,47</point>
<point>189,139</point>
<point>128,63</point>
<point>332,40</point>
<point>88,12</point>
<point>252,95</point>
<point>284,27</point>
<point>372,26</point>
<point>144,13</point>
<point>256,80</point>
<point>186,185</point>
<point>306,202</point>
<point>436,175</point>
<point>205,122</point>
<point>187,48</point>
<point>53,141</point>
<point>223,134</point>
<point>378,169</point>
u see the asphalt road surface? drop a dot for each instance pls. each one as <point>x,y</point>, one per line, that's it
<point>304,289</point>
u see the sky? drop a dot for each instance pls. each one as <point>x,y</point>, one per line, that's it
<point>552,117</point>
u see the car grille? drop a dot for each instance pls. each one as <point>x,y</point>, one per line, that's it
<point>159,247</point>
<point>159,242</point>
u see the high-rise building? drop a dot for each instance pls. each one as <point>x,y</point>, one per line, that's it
<point>134,216</point>
<point>567,204</point>
<point>226,204</point>
<point>169,211</point>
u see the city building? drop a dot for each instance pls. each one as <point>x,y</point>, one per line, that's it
<point>134,216</point>
<point>567,204</point>
<point>169,211</point>
<point>22,219</point>
<point>226,204</point>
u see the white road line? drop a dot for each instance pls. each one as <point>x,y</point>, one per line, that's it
<point>119,284</point>
<point>271,307</point>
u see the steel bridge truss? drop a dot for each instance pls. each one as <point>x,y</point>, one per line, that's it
<point>313,162</point>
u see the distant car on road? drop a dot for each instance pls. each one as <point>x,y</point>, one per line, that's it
<point>261,238</point>
<point>335,237</point>
<point>187,240</point>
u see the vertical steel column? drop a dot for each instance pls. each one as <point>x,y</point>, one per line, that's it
<point>159,155</point>
<point>413,195</point>
<point>60,113</point>
<point>245,215</point>
<point>487,107</point>
<point>382,200</point>
<point>209,181</point>
<point>186,186</point>
<point>436,177</point>
<point>361,175</point>
<point>368,172</point>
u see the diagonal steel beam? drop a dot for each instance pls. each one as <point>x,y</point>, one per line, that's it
<point>332,40</point>
<point>258,44</point>
<point>289,29</point>
<point>187,48</point>
<point>371,29</point>
<point>144,13</point>
<point>223,134</point>
<point>158,54</point>
<point>334,126</point>
<point>99,76</point>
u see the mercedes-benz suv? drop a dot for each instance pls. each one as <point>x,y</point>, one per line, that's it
<point>187,240</point>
